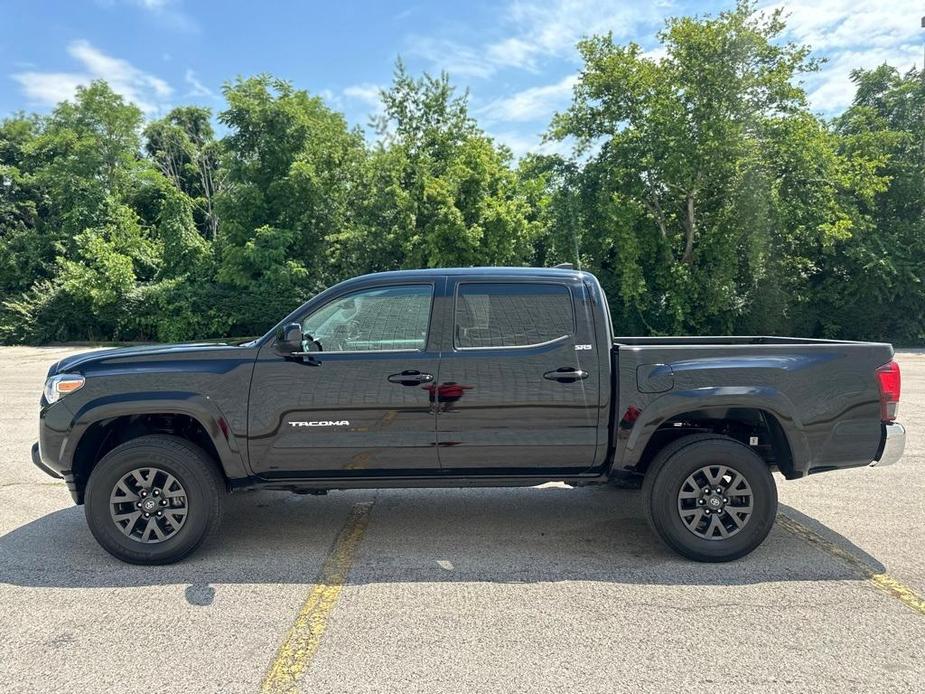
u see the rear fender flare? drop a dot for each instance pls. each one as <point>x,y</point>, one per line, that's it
<point>676,403</point>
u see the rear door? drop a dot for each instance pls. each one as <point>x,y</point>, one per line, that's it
<point>519,385</point>
<point>360,406</point>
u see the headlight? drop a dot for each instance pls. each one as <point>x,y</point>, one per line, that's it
<point>62,384</point>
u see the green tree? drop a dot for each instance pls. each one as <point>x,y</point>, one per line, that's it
<point>293,180</point>
<point>81,164</point>
<point>702,190</point>
<point>678,204</point>
<point>441,192</point>
<point>873,283</point>
<point>24,253</point>
<point>183,147</point>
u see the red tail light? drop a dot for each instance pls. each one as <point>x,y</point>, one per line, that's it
<point>890,384</point>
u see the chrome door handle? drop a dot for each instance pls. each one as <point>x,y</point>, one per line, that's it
<point>566,374</point>
<point>410,377</point>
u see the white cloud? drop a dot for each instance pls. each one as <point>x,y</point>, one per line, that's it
<point>331,99</point>
<point>456,58</point>
<point>48,88</point>
<point>533,104</point>
<point>167,12</point>
<point>521,144</point>
<point>368,93</point>
<point>656,53</point>
<point>360,102</point>
<point>831,90</point>
<point>852,34</point>
<point>145,90</point>
<point>513,52</point>
<point>197,88</point>
<point>534,30</point>
<point>553,28</point>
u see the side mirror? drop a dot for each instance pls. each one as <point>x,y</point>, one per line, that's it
<point>289,339</point>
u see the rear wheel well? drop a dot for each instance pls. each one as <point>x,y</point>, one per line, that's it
<point>740,423</point>
<point>104,435</point>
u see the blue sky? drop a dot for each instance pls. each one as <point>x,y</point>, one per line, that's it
<point>516,56</point>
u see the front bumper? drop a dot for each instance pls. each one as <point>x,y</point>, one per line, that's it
<point>37,461</point>
<point>894,442</point>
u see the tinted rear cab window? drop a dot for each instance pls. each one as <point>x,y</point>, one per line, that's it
<point>511,314</point>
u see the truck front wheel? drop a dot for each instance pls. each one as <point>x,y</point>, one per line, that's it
<point>710,497</point>
<point>154,499</point>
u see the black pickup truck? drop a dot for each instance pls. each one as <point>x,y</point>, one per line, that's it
<point>462,377</point>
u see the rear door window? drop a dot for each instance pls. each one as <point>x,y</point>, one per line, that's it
<point>511,314</point>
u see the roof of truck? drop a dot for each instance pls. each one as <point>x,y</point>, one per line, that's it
<point>482,271</point>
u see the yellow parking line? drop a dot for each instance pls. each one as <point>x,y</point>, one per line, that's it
<point>304,637</point>
<point>882,581</point>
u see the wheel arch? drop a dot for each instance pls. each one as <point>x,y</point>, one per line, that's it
<point>766,415</point>
<point>100,426</point>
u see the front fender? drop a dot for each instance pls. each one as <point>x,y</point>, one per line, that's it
<point>675,403</point>
<point>201,408</point>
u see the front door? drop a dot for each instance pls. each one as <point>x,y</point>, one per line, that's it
<point>515,396</point>
<point>361,404</point>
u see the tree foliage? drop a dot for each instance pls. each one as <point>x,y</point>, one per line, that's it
<point>723,186</point>
<point>702,190</point>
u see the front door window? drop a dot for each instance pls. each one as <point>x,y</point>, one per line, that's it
<point>384,319</point>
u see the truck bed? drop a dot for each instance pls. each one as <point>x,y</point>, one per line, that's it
<point>819,396</point>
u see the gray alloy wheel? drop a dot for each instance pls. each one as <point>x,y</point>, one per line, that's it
<point>172,480</point>
<point>148,505</point>
<point>709,497</point>
<point>715,502</point>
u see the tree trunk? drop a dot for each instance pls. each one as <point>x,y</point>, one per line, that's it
<point>656,209</point>
<point>690,228</point>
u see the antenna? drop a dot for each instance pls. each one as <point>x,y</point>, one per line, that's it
<point>564,266</point>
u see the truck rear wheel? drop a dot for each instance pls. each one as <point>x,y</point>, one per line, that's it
<point>710,497</point>
<point>154,499</point>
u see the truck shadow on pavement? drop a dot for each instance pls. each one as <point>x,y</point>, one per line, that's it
<point>521,535</point>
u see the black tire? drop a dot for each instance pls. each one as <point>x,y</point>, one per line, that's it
<point>191,467</point>
<point>685,457</point>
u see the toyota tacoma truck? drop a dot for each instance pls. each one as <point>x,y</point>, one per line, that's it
<point>457,378</point>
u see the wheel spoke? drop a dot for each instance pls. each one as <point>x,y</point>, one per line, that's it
<point>176,516</point>
<point>714,478</point>
<point>733,479</point>
<point>172,488</point>
<point>131,517</point>
<point>739,486</point>
<point>695,521</point>
<point>734,515</point>
<point>121,493</point>
<point>152,531</point>
<point>716,524</point>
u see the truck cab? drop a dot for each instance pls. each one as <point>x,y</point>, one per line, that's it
<point>487,373</point>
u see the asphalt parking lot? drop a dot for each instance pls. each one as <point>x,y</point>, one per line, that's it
<point>483,590</point>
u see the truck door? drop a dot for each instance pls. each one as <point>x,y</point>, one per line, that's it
<point>360,405</point>
<point>519,386</point>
